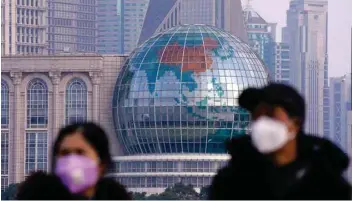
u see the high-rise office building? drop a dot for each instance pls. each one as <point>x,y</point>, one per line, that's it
<point>285,35</point>
<point>119,25</point>
<point>340,104</point>
<point>349,122</point>
<point>307,27</point>
<point>280,65</point>
<point>349,143</point>
<point>261,37</point>
<point>71,26</point>
<point>162,15</point>
<point>23,27</point>
<point>260,32</point>
<point>326,100</point>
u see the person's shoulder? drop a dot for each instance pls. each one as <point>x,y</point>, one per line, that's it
<point>109,189</point>
<point>325,152</point>
<point>41,185</point>
<point>240,145</point>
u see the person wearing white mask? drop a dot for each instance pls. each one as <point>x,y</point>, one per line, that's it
<point>278,160</point>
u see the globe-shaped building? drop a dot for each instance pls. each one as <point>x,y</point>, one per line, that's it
<point>178,91</point>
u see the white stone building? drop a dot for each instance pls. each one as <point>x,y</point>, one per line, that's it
<point>40,94</point>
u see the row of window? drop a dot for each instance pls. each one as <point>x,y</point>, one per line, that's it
<point>37,103</point>
<point>163,182</point>
<point>167,166</point>
<point>27,2</point>
<point>36,154</point>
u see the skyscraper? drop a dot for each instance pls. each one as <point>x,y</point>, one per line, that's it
<point>340,104</point>
<point>349,122</point>
<point>71,26</point>
<point>281,63</point>
<point>307,27</point>
<point>119,25</point>
<point>23,27</point>
<point>162,15</point>
<point>261,37</point>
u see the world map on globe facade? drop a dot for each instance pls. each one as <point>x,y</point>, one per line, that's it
<point>178,91</point>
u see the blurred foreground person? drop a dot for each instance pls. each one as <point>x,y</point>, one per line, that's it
<point>80,159</point>
<point>278,160</point>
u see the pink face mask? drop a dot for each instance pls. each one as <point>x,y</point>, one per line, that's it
<point>77,172</point>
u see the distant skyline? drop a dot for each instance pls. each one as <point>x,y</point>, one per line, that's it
<point>340,23</point>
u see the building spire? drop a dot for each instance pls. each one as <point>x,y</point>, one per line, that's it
<point>249,4</point>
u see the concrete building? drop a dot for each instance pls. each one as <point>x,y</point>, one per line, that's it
<point>340,104</point>
<point>23,27</point>
<point>162,15</point>
<point>261,34</point>
<point>349,143</point>
<point>41,94</point>
<point>307,27</point>
<point>280,63</point>
<point>349,122</point>
<point>154,172</point>
<point>71,26</point>
<point>119,25</point>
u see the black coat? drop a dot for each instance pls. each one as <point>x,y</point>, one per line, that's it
<point>316,174</point>
<point>42,186</point>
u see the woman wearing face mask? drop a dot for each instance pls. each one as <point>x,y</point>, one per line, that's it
<point>278,160</point>
<point>80,159</point>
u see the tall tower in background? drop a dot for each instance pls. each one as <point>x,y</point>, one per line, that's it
<point>225,14</point>
<point>72,26</point>
<point>349,125</point>
<point>307,27</point>
<point>340,104</point>
<point>119,25</point>
<point>261,37</point>
<point>23,27</point>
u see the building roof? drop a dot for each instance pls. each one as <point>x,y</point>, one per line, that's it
<point>252,17</point>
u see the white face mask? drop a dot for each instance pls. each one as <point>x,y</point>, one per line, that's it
<point>269,135</point>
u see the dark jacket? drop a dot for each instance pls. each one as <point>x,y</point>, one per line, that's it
<point>316,174</point>
<point>42,186</point>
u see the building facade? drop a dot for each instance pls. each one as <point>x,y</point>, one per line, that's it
<point>280,63</point>
<point>340,104</point>
<point>261,35</point>
<point>153,173</point>
<point>23,27</point>
<point>349,143</point>
<point>176,103</point>
<point>162,15</point>
<point>307,28</point>
<point>119,25</point>
<point>72,26</point>
<point>41,94</point>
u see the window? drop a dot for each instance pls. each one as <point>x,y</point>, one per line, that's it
<point>4,182</point>
<point>36,152</point>
<point>76,101</point>
<point>4,159</point>
<point>37,104</point>
<point>4,105</point>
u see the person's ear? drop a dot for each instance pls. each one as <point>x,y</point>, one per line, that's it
<point>296,124</point>
<point>102,168</point>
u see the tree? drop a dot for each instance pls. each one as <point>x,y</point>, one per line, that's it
<point>139,196</point>
<point>10,192</point>
<point>203,195</point>
<point>177,192</point>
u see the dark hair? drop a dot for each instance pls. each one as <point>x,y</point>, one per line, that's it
<point>92,133</point>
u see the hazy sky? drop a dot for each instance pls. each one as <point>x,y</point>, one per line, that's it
<point>340,23</point>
